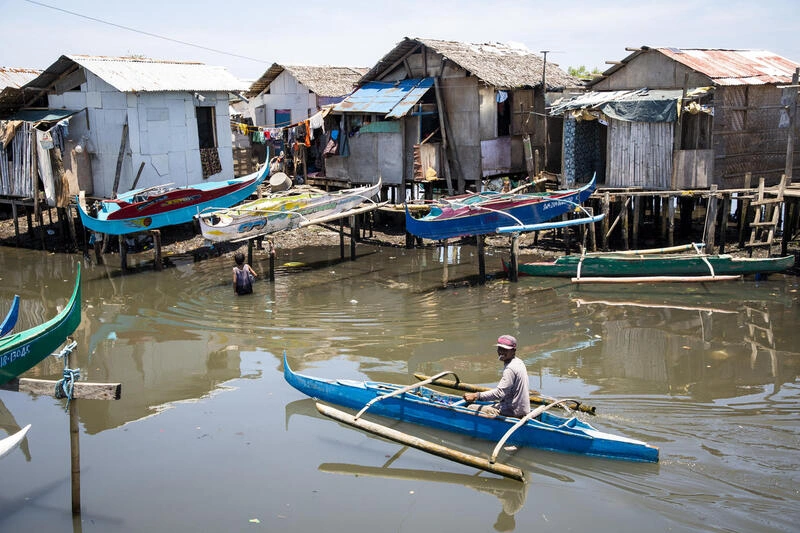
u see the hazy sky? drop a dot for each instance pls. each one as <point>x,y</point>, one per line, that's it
<point>247,37</point>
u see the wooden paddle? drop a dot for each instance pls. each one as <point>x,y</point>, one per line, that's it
<point>575,405</point>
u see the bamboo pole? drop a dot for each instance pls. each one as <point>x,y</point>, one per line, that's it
<point>534,397</point>
<point>654,279</point>
<point>420,444</point>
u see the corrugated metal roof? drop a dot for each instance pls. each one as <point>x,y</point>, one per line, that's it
<point>16,77</point>
<point>500,65</point>
<point>43,115</point>
<point>393,99</point>
<point>723,67</point>
<point>137,74</point>
<point>322,80</point>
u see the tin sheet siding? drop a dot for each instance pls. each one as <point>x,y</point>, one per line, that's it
<point>640,154</point>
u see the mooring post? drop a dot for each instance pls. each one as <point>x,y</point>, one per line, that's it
<point>75,456</point>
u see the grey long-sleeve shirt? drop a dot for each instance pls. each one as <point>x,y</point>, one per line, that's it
<point>512,392</point>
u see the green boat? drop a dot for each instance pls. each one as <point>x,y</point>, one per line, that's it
<point>632,264</point>
<point>21,351</point>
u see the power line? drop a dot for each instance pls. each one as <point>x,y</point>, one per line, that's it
<point>149,34</point>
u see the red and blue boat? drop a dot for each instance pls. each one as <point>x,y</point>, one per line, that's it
<point>164,205</point>
<point>486,212</point>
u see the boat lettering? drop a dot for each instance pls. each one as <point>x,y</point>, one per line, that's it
<point>19,353</point>
<point>251,225</point>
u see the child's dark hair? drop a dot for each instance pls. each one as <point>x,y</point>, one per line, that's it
<point>239,258</point>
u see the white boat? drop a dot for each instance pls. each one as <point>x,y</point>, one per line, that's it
<point>270,215</point>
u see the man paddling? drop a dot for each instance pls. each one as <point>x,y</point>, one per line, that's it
<point>511,395</point>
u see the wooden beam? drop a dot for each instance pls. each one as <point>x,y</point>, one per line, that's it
<point>81,389</point>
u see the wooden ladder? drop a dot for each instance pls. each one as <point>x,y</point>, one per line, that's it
<point>766,217</point>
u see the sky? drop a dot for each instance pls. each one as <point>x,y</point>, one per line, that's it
<point>246,38</point>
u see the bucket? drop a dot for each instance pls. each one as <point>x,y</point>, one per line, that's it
<point>279,182</point>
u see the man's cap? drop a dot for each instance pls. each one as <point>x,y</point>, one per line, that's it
<point>507,341</point>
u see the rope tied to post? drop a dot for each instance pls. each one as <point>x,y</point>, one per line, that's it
<point>65,385</point>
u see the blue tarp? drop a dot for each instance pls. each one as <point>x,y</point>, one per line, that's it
<point>394,99</point>
<point>42,115</point>
<point>642,105</point>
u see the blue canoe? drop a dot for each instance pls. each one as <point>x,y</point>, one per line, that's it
<point>487,213</point>
<point>431,408</point>
<point>11,318</point>
<point>157,207</point>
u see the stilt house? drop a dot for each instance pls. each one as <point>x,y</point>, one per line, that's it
<point>450,113</point>
<point>138,122</point>
<point>668,118</point>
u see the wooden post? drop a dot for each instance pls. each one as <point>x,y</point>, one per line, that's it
<point>789,100</point>
<point>625,228</point>
<point>671,221</point>
<point>15,214</point>
<point>98,250</point>
<point>744,215</point>
<point>341,238</point>
<point>120,158</point>
<point>723,224</point>
<point>250,251</point>
<point>353,237</point>
<point>123,253</point>
<point>513,274</point>
<point>157,263</point>
<point>607,212</point>
<point>271,251</point>
<point>789,225</point>
<point>481,260</point>
<point>637,214</point>
<point>75,456</point>
<point>445,248</point>
<point>711,219</point>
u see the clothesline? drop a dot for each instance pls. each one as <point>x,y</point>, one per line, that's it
<point>314,121</point>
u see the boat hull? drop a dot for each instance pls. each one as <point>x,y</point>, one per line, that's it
<point>655,265</point>
<point>177,206</point>
<point>434,409</point>
<point>486,217</point>
<point>21,351</point>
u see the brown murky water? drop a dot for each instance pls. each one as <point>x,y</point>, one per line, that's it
<point>208,436</point>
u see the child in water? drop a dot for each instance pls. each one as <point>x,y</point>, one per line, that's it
<point>243,275</point>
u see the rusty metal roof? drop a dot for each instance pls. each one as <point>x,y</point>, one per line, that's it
<point>500,65</point>
<point>393,99</point>
<point>16,77</point>
<point>141,74</point>
<point>322,80</point>
<point>724,67</point>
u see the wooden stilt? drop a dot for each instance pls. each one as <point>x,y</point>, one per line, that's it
<point>250,251</point>
<point>16,221</point>
<point>341,238</point>
<point>513,273</point>
<point>353,238</point>
<point>481,260</point>
<point>271,251</point>
<point>711,220</point>
<point>445,250</point>
<point>671,222</point>
<point>123,253</point>
<point>625,225</point>
<point>606,206</point>
<point>723,222</point>
<point>157,262</point>
<point>637,216</point>
<point>745,210</point>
